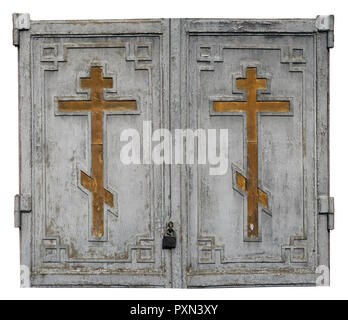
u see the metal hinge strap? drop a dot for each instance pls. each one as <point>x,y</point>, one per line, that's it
<point>21,21</point>
<point>326,205</point>
<point>327,24</point>
<point>22,205</point>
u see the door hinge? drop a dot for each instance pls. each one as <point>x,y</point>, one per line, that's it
<point>326,206</point>
<point>327,24</point>
<point>21,21</point>
<point>22,205</point>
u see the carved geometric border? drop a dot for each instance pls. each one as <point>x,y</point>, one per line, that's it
<point>52,251</point>
<point>134,52</point>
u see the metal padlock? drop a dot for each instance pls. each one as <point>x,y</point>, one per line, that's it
<point>169,238</point>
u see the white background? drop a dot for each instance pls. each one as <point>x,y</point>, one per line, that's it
<point>101,9</point>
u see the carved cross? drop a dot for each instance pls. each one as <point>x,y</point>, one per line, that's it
<point>251,107</point>
<point>96,105</point>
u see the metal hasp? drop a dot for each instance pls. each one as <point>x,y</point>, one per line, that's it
<point>169,238</point>
<point>99,98</point>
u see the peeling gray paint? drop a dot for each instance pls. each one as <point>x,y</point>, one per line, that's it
<point>191,62</point>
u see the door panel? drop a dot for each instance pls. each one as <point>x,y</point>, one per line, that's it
<point>76,161</point>
<point>256,224</point>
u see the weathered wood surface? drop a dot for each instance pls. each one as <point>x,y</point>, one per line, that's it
<point>174,70</point>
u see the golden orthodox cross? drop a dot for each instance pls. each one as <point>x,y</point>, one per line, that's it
<point>251,107</point>
<point>96,105</point>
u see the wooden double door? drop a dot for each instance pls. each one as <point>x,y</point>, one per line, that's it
<point>251,206</point>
